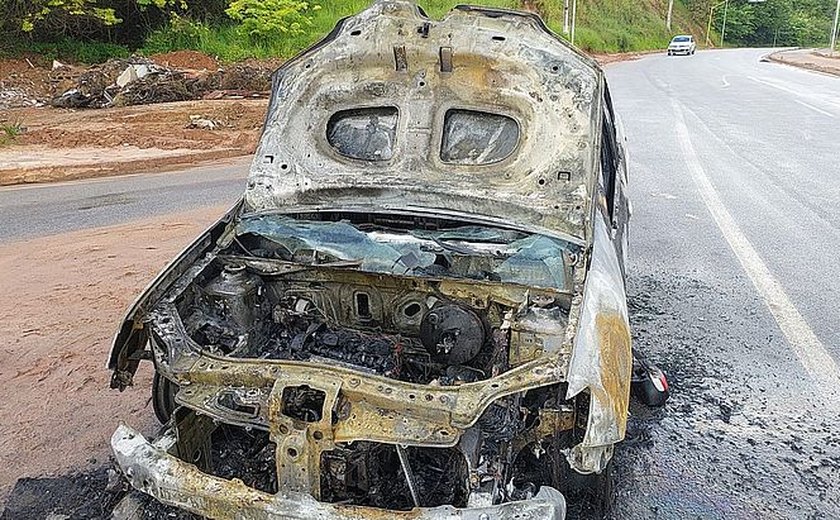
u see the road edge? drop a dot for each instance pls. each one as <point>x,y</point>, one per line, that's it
<point>775,57</point>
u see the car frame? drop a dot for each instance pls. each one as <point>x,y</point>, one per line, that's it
<point>560,179</point>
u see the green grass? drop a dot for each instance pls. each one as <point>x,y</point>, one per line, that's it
<point>602,26</point>
<point>620,25</point>
<point>9,132</point>
<point>70,50</point>
<point>228,44</point>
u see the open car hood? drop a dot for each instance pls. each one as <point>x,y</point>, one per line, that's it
<point>485,113</point>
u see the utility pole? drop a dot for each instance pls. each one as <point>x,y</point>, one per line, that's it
<point>834,27</point>
<point>565,16</point>
<point>725,4</point>
<point>709,25</point>
<point>723,30</point>
<point>574,18</point>
<point>671,10</point>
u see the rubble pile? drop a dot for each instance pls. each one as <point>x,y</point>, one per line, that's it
<point>137,80</point>
<point>22,84</point>
<point>141,81</point>
<point>134,81</point>
<point>247,76</point>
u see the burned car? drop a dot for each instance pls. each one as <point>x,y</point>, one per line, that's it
<point>417,309</point>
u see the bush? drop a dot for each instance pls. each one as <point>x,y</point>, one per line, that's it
<point>57,16</point>
<point>272,18</point>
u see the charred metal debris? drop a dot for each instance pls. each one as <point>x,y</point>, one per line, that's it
<point>374,361</point>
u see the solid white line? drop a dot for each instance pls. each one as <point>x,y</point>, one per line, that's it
<point>811,353</point>
<point>812,107</point>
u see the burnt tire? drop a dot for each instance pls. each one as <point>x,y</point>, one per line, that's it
<point>163,398</point>
<point>591,494</point>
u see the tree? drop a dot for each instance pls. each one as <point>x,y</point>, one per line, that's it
<point>267,18</point>
<point>56,16</point>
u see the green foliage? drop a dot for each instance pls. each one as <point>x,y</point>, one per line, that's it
<point>272,18</point>
<point>163,4</point>
<point>619,25</point>
<point>30,15</point>
<point>227,41</point>
<point>224,41</point>
<point>78,51</point>
<point>89,30</point>
<point>783,22</point>
<point>9,132</point>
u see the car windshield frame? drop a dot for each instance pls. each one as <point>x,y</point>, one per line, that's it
<point>532,259</point>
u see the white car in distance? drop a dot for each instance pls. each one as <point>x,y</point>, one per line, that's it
<point>682,44</point>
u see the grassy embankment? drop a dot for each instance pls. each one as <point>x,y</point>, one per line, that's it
<point>603,26</point>
<point>228,44</point>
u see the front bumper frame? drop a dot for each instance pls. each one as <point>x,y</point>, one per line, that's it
<point>152,470</point>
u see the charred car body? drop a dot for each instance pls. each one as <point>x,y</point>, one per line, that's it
<point>417,309</point>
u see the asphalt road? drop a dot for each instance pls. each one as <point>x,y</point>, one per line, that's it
<point>734,286</point>
<point>733,281</point>
<point>29,211</point>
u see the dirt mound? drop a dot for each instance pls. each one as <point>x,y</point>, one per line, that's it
<point>137,80</point>
<point>185,60</point>
<point>167,86</point>
<point>13,66</point>
<point>247,75</point>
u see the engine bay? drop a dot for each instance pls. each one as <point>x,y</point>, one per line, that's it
<point>437,308</point>
<point>353,298</point>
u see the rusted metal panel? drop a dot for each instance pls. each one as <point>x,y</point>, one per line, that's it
<point>150,469</point>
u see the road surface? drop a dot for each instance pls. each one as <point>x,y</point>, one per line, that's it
<point>734,284</point>
<point>29,211</point>
<point>734,278</point>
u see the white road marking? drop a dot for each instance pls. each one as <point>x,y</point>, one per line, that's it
<point>725,83</point>
<point>796,92</point>
<point>812,107</point>
<point>811,353</point>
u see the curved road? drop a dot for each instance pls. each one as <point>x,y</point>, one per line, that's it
<point>734,286</point>
<point>734,279</point>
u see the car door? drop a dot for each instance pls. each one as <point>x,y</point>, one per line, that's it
<point>614,178</point>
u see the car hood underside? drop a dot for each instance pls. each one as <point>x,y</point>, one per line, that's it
<point>416,72</point>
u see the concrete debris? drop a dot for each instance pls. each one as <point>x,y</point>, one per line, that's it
<point>140,81</point>
<point>203,123</point>
<point>132,73</point>
<point>15,97</point>
<point>237,94</point>
<point>97,86</point>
